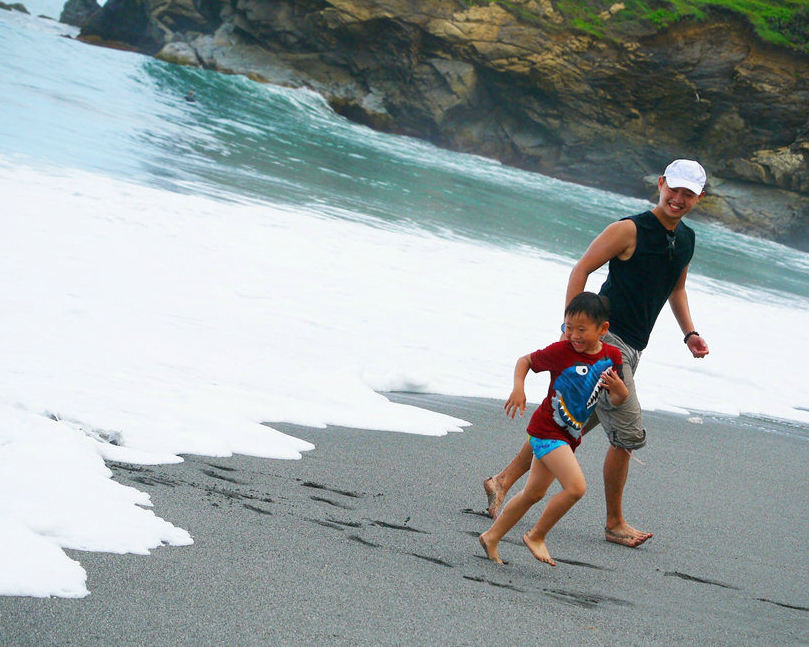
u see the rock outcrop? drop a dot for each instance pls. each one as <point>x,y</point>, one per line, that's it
<point>17,6</point>
<point>518,85</point>
<point>78,12</point>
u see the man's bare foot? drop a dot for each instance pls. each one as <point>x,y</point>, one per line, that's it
<point>495,494</point>
<point>538,549</point>
<point>491,551</point>
<point>627,536</point>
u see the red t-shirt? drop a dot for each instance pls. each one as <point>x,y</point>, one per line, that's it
<point>573,390</point>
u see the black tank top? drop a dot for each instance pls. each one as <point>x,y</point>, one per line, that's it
<point>639,287</point>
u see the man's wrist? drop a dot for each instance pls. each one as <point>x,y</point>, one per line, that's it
<point>688,335</point>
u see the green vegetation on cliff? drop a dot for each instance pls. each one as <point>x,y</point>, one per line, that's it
<point>779,22</point>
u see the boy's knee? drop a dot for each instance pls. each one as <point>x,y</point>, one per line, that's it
<point>577,490</point>
<point>532,496</point>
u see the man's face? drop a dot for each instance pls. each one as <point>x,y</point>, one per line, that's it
<point>675,203</point>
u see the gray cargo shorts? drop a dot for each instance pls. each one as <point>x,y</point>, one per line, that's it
<point>623,424</point>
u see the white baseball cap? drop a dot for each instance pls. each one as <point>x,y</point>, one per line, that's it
<point>687,174</point>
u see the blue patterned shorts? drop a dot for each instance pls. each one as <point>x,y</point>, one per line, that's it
<point>542,446</point>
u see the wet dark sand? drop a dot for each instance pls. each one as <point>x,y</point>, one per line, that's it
<point>371,539</point>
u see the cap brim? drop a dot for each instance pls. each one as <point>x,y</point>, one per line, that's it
<point>677,183</point>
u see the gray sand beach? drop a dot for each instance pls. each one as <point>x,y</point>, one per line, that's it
<point>371,539</point>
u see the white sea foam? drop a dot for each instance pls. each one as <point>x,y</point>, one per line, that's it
<point>139,324</point>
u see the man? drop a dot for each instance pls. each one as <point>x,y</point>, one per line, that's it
<point>648,256</point>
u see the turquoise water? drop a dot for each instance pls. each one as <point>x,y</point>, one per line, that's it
<point>71,105</point>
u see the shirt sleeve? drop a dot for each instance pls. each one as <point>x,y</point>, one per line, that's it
<point>617,361</point>
<point>545,358</point>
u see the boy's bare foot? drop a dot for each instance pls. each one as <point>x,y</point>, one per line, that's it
<point>538,549</point>
<point>626,536</point>
<point>491,551</point>
<point>495,495</point>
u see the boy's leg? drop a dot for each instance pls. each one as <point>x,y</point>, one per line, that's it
<point>539,480</point>
<point>497,486</point>
<point>562,464</point>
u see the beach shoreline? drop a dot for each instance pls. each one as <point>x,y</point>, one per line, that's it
<point>371,539</point>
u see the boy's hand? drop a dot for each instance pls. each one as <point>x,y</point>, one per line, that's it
<point>615,385</point>
<point>515,401</point>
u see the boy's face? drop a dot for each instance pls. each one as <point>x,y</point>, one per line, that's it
<point>583,333</point>
<point>675,203</point>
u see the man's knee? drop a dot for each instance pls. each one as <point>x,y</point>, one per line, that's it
<point>624,425</point>
<point>629,438</point>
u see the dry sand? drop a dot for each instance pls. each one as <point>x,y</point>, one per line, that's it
<point>371,539</point>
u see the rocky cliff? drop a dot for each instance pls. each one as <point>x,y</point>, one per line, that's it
<point>517,84</point>
<point>78,12</point>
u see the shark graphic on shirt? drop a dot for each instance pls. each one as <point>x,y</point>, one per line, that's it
<point>577,390</point>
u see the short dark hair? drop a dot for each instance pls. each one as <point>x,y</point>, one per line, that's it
<point>591,304</point>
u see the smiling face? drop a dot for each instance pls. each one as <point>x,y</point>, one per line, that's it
<point>583,333</point>
<point>674,203</point>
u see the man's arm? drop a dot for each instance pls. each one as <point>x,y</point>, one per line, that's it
<point>617,240</point>
<point>678,300</point>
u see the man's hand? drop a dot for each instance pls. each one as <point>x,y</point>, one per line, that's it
<point>698,346</point>
<point>515,401</point>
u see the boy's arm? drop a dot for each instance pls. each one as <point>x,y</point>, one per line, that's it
<point>678,301</point>
<point>517,398</point>
<point>615,385</point>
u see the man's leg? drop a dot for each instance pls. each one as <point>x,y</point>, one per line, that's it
<point>624,428</point>
<point>498,485</point>
<point>617,530</point>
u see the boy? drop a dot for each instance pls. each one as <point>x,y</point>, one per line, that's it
<point>583,368</point>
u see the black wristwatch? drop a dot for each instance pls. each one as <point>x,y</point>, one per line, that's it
<point>688,334</point>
